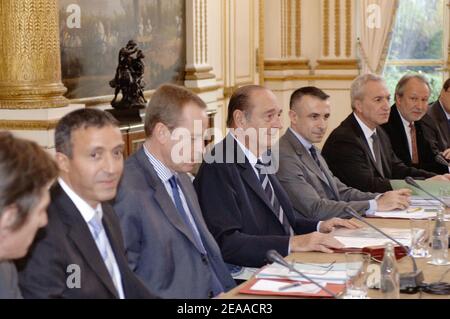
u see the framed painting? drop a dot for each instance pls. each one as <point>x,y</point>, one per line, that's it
<point>93,32</point>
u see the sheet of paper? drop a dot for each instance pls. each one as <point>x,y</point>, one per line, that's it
<point>402,214</point>
<point>365,237</point>
<point>336,273</point>
<point>272,285</point>
<point>354,242</point>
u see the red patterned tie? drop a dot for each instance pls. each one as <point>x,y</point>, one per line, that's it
<point>415,156</point>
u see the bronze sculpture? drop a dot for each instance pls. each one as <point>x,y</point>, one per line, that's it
<point>129,78</point>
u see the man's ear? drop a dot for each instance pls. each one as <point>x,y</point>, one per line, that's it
<point>63,162</point>
<point>293,116</point>
<point>358,106</point>
<point>397,98</point>
<point>161,133</point>
<point>239,119</point>
<point>8,217</point>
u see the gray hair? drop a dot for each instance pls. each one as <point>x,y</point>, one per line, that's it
<point>357,89</point>
<point>400,88</point>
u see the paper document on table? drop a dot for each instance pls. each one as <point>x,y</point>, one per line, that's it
<point>273,285</point>
<point>406,214</point>
<point>433,187</point>
<point>367,237</point>
<point>418,201</point>
<point>333,272</point>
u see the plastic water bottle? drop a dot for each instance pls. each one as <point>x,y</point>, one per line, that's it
<point>439,241</point>
<point>390,278</point>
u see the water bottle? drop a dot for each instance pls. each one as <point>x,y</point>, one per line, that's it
<point>390,278</point>
<point>439,241</point>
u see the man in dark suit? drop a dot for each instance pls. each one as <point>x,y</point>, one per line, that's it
<point>413,135</point>
<point>312,188</point>
<point>358,151</point>
<point>168,243</point>
<point>80,254</point>
<point>26,173</point>
<point>244,205</point>
<point>440,114</point>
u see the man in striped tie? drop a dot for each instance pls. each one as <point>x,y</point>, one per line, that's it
<point>244,205</point>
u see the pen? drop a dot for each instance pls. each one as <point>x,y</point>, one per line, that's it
<point>413,210</point>
<point>295,284</point>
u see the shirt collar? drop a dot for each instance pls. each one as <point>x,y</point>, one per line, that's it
<point>368,132</point>
<point>163,172</point>
<point>83,207</point>
<point>443,109</point>
<point>302,140</point>
<point>250,156</point>
<point>406,124</point>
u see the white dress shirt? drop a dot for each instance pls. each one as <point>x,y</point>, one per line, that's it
<point>368,132</point>
<point>88,213</point>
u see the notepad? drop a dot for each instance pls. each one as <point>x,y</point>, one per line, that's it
<point>277,286</point>
<point>267,287</point>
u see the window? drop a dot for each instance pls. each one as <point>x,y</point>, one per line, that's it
<point>418,43</point>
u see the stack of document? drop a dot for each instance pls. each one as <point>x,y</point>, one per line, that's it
<point>368,237</point>
<point>276,280</point>
<point>333,273</point>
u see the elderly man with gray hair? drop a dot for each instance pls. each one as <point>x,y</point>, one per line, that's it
<point>359,151</point>
<point>414,136</point>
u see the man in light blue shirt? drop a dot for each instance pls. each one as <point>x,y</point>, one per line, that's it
<point>304,174</point>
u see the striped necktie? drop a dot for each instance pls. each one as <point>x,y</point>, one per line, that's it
<point>101,240</point>
<point>267,187</point>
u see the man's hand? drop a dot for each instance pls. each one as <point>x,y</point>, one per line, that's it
<point>314,242</point>
<point>446,154</point>
<point>393,200</point>
<point>327,226</point>
<point>444,177</point>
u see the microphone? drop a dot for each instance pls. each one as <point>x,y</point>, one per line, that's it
<point>441,160</point>
<point>409,180</point>
<point>275,257</point>
<point>407,280</point>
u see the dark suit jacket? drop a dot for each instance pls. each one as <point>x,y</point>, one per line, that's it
<point>427,137</point>
<point>67,241</point>
<point>441,123</point>
<point>238,212</point>
<point>161,248</point>
<point>315,192</point>
<point>349,157</point>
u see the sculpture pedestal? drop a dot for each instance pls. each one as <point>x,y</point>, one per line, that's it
<point>126,116</point>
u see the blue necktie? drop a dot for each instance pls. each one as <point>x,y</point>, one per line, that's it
<point>216,286</point>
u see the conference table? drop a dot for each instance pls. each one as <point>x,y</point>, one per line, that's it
<point>431,273</point>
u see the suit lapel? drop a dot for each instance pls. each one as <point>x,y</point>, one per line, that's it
<point>81,237</point>
<point>163,198</point>
<point>442,122</point>
<point>401,134</point>
<point>306,159</point>
<point>363,141</point>
<point>246,170</point>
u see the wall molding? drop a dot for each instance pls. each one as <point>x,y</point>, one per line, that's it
<point>282,65</point>
<point>28,125</point>
<point>349,64</point>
